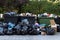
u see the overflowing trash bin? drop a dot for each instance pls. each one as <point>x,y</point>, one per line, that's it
<point>23,25</point>
<point>46,27</point>
<point>12,19</point>
<point>19,24</point>
<point>31,19</point>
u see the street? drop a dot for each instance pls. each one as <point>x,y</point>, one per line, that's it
<point>30,37</point>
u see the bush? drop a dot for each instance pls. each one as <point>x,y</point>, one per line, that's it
<point>36,7</point>
<point>41,7</point>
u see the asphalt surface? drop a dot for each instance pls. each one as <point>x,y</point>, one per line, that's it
<point>30,37</point>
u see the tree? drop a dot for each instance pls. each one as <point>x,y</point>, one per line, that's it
<point>10,4</point>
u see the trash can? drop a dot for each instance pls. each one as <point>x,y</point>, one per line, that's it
<point>31,19</point>
<point>8,18</point>
<point>44,20</point>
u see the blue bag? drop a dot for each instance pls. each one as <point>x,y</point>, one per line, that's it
<point>10,25</point>
<point>1,29</point>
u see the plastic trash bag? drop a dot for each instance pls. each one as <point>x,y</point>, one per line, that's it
<point>35,30</point>
<point>10,28</point>
<point>1,30</point>
<point>50,31</point>
<point>24,30</point>
<point>10,25</point>
<point>25,21</point>
<point>17,29</point>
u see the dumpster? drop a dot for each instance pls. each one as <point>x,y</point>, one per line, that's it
<point>44,20</point>
<point>31,19</point>
<point>8,18</point>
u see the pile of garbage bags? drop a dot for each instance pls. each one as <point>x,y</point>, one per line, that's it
<point>47,15</point>
<point>24,28</point>
<point>20,28</point>
<point>23,25</point>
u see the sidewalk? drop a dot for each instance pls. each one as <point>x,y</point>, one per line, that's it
<point>31,37</point>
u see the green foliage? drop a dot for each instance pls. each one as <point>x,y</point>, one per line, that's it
<point>1,9</point>
<point>31,7</point>
<point>41,7</point>
<point>34,7</point>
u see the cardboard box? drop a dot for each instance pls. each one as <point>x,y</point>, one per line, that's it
<point>53,25</point>
<point>43,33</point>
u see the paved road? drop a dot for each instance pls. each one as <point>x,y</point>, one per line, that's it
<point>31,37</point>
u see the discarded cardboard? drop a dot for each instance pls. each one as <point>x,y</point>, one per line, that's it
<point>43,33</point>
<point>53,25</point>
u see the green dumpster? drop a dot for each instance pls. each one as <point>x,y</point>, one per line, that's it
<point>44,20</point>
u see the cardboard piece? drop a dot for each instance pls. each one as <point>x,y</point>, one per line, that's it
<point>43,33</point>
<point>53,24</point>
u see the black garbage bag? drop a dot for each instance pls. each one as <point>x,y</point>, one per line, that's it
<point>35,30</point>
<point>9,32</point>
<point>5,31</point>
<point>17,29</point>
<point>5,26</point>
<point>58,28</point>
<point>1,31</point>
<point>10,28</point>
<point>24,30</point>
<point>1,28</point>
<point>30,28</point>
<point>50,31</point>
<point>9,14</point>
<point>25,21</point>
<point>57,20</point>
<point>24,26</point>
